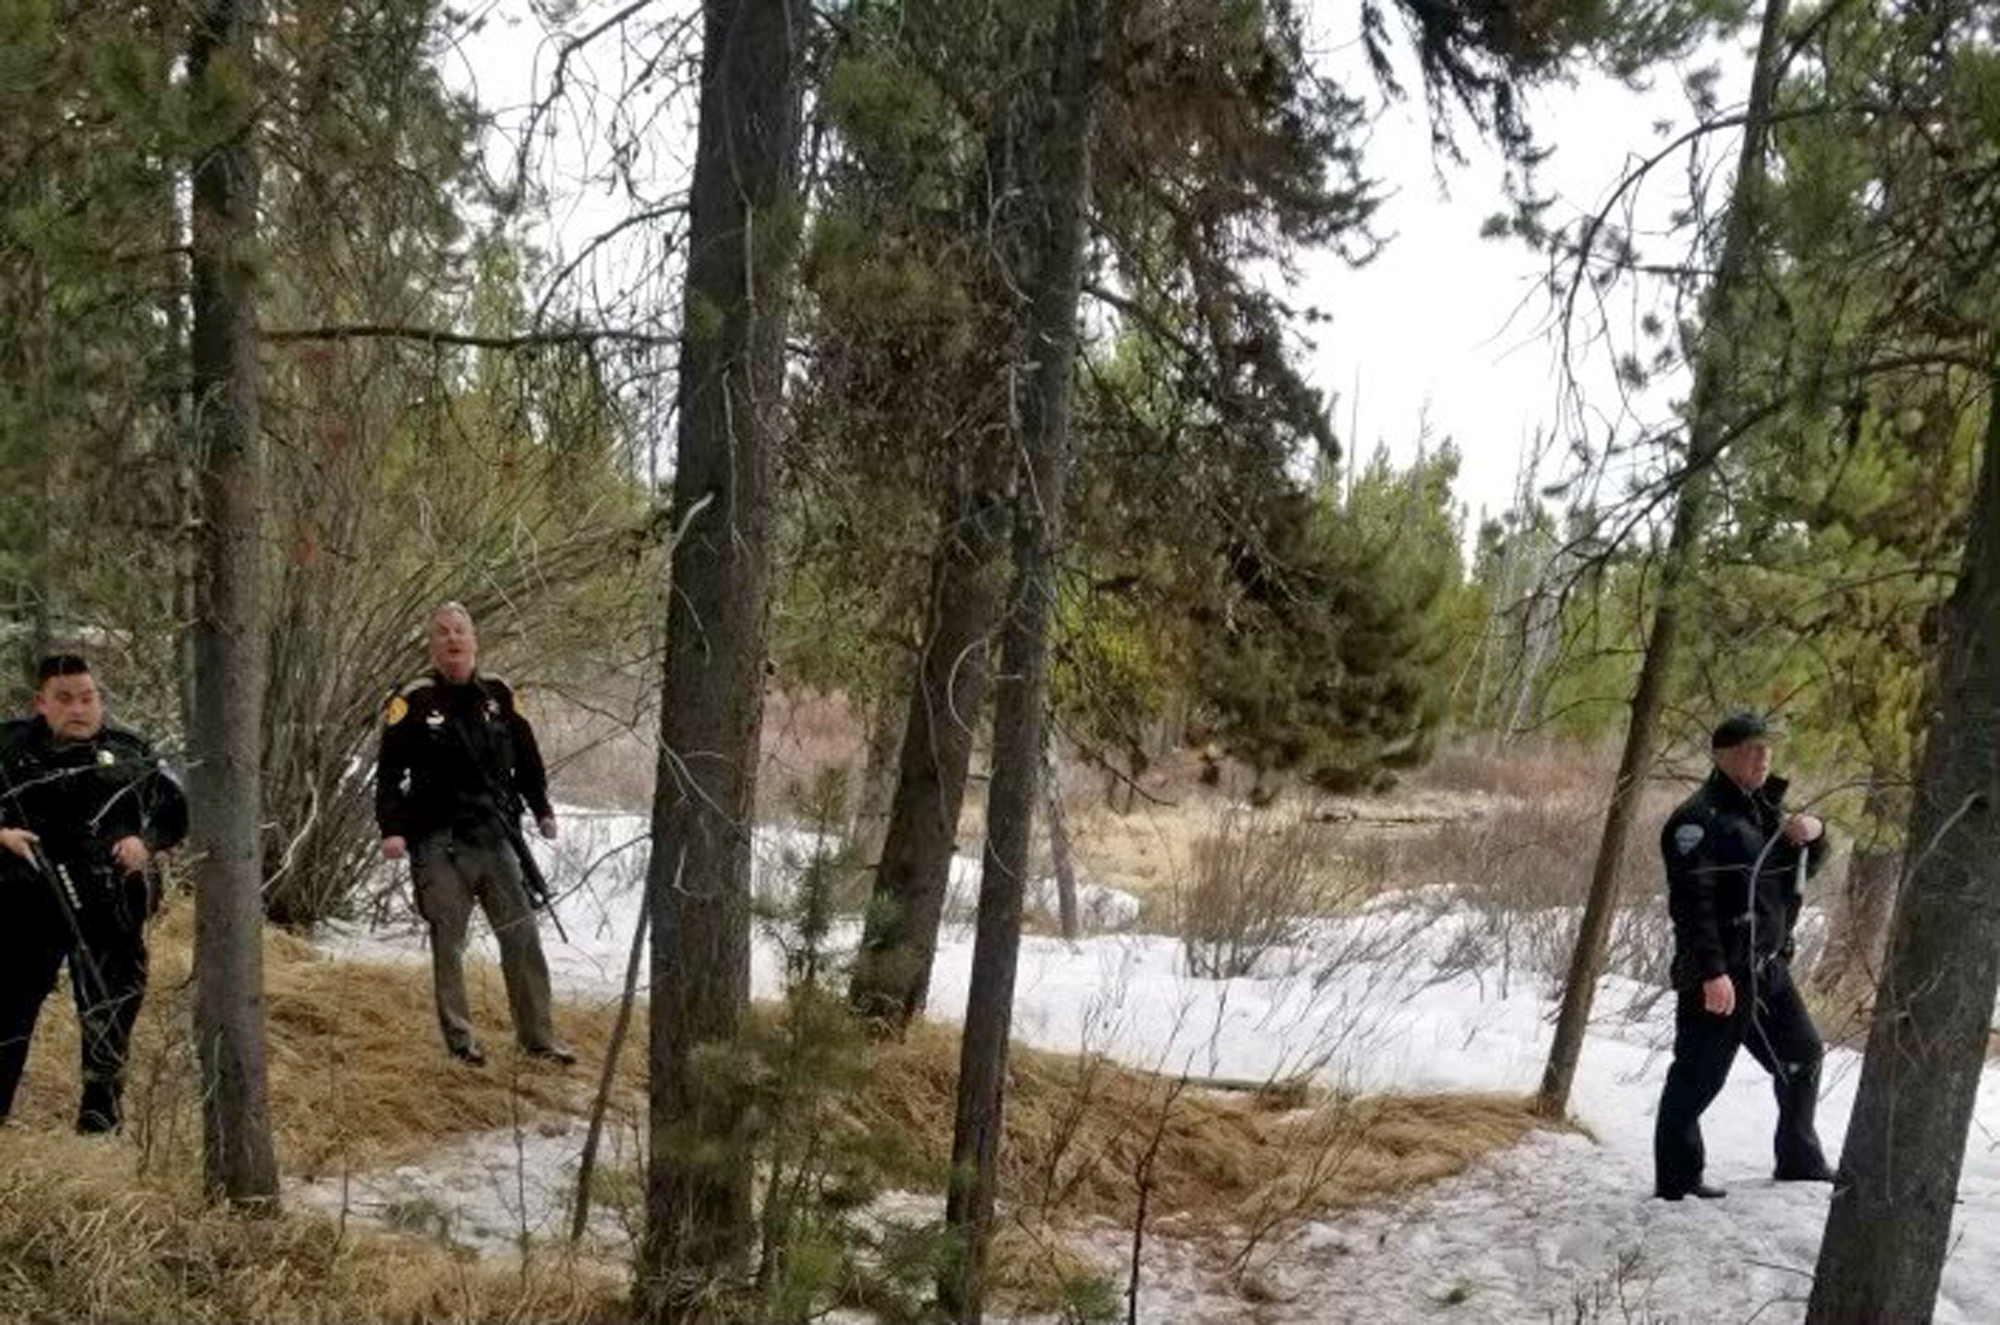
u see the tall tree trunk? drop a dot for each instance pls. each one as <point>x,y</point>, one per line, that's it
<point>1708,434</point>
<point>25,421</point>
<point>886,719</point>
<point>1858,926</point>
<point>1062,862</point>
<point>892,970</point>
<point>743,224</point>
<point>1055,235</point>
<point>225,795</point>
<point>1889,1226</point>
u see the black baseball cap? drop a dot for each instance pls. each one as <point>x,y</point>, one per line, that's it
<point>1737,728</point>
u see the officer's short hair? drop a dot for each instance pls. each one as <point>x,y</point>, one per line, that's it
<point>450,607</point>
<point>61,664</point>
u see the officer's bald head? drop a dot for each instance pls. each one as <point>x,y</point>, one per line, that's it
<point>454,643</point>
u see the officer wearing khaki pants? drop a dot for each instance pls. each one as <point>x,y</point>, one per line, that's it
<point>458,761</point>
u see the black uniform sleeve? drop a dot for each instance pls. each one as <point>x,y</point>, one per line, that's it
<point>166,809</point>
<point>531,778</point>
<point>160,801</point>
<point>392,764</point>
<point>1818,851</point>
<point>13,736</point>
<point>144,801</point>
<point>1693,886</point>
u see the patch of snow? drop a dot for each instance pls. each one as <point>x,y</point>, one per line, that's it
<point>495,1193</point>
<point>1561,1227</point>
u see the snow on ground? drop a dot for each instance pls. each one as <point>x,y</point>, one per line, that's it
<point>1561,1228</point>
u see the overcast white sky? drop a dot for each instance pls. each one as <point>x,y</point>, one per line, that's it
<point>1442,327</point>
<point>1451,329</point>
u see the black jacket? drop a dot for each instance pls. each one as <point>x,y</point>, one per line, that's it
<point>1711,843</point>
<point>458,756</point>
<point>81,797</point>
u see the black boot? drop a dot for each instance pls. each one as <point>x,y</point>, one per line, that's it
<point>1699,1189</point>
<point>1800,1158</point>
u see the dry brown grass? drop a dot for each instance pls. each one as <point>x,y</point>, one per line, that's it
<point>599,741</point>
<point>599,738</point>
<point>1077,1130</point>
<point>81,1240</point>
<point>359,1081</point>
<point>1525,823</point>
<point>358,1075</point>
<point>1520,771</point>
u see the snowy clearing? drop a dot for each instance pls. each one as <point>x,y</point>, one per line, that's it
<point>1561,1228</point>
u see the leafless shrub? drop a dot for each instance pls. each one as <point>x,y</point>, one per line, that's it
<point>1256,883</point>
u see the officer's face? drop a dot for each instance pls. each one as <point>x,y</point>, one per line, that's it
<point>71,706</point>
<point>454,645</point>
<point>1747,764</point>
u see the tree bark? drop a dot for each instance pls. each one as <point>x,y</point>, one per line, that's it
<point>1889,1225</point>
<point>1709,405</point>
<point>892,969</point>
<point>1055,235</point>
<point>1858,924</point>
<point>24,469</point>
<point>886,720</point>
<point>225,792</point>
<point>1062,863</point>
<point>744,216</point>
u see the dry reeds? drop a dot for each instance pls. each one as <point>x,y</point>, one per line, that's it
<point>358,1073</point>
<point>81,1240</point>
<point>360,1081</point>
<point>1078,1129</point>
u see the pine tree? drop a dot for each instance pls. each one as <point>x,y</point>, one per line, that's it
<point>226,800</point>
<point>743,237</point>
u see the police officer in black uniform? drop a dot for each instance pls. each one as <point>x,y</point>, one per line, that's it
<point>1733,861</point>
<point>458,761</point>
<point>84,809</point>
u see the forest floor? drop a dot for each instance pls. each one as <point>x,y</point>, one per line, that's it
<point>1342,1128</point>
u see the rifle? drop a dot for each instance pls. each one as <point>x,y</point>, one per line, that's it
<point>532,879</point>
<point>70,903</point>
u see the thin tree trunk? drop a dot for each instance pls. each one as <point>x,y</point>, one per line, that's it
<point>1055,232</point>
<point>586,1164</point>
<point>1858,927</point>
<point>886,720</point>
<point>1889,1225</point>
<point>25,420</point>
<point>1062,863</point>
<point>225,792</point>
<point>892,969</point>
<point>1707,435</point>
<point>743,220</point>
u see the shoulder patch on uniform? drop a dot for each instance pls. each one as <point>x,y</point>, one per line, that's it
<point>399,708</point>
<point>1687,837</point>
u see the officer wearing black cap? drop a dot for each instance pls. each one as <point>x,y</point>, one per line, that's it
<point>1734,860</point>
<point>84,809</point>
